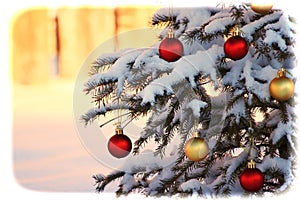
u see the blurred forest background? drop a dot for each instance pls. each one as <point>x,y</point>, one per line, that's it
<point>50,43</point>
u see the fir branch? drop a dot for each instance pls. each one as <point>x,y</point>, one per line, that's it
<point>94,113</point>
<point>139,143</point>
<point>166,139</point>
<point>170,127</point>
<point>206,166</point>
<point>97,82</point>
<point>150,131</point>
<point>284,112</point>
<point>237,12</point>
<point>124,187</point>
<point>102,182</point>
<point>274,179</point>
<point>280,55</point>
<point>102,65</point>
<point>234,100</point>
<point>103,92</point>
<point>107,59</point>
<point>184,135</point>
<point>219,186</point>
<point>199,34</point>
<point>136,107</point>
<point>169,115</point>
<point>262,50</point>
<point>169,183</point>
<point>162,20</point>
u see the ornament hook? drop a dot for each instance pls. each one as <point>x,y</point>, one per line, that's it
<point>119,129</point>
<point>171,33</point>
<point>251,164</point>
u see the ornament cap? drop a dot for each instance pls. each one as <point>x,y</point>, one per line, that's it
<point>281,72</point>
<point>251,164</point>
<point>119,130</point>
<point>196,134</point>
<point>236,31</point>
<point>171,33</point>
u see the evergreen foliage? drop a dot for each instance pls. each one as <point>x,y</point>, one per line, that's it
<point>174,100</point>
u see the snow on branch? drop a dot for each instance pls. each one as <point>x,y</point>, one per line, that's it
<point>147,66</point>
<point>252,84</point>
<point>195,16</point>
<point>275,37</point>
<point>196,105</point>
<point>93,113</point>
<point>218,25</point>
<point>284,26</point>
<point>118,72</point>
<point>251,28</point>
<point>284,165</point>
<point>128,183</point>
<point>203,62</point>
<point>284,129</point>
<point>190,185</point>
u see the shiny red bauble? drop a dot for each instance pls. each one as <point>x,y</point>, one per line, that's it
<point>252,179</point>
<point>170,49</point>
<point>236,47</point>
<point>119,145</point>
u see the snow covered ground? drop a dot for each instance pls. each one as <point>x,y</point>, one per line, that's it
<point>47,152</point>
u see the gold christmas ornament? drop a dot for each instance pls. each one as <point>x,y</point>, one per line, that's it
<point>196,148</point>
<point>261,8</point>
<point>281,87</point>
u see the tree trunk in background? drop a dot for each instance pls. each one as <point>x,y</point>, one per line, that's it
<point>131,19</point>
<point>30,47</point>
<point>35,56</point>
<point>82,30</point>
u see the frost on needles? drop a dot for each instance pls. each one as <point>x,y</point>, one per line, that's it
<point>174,96</point>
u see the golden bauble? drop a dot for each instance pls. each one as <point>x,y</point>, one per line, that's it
<point>261,8</point>
<point>281,88</point>
<point>196,149</point>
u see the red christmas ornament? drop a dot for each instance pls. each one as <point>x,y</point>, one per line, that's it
<point>119,145</point>
<point>252,179</point>
<point>236,47</point>
<point>170,48</point>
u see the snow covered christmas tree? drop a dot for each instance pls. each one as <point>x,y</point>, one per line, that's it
<point>222,81</point>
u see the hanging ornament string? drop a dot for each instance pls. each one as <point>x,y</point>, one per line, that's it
<point>118,119</point>
<point>119,113</point>
<point>113,119</point>
<point>283,69</point>
<point>252,145</point>
<point>119,145</point>
<point>171,12</point>
<point>250,131</point>
<point>251,179</point>
<point>128,121</point>
<point>195,125</point>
